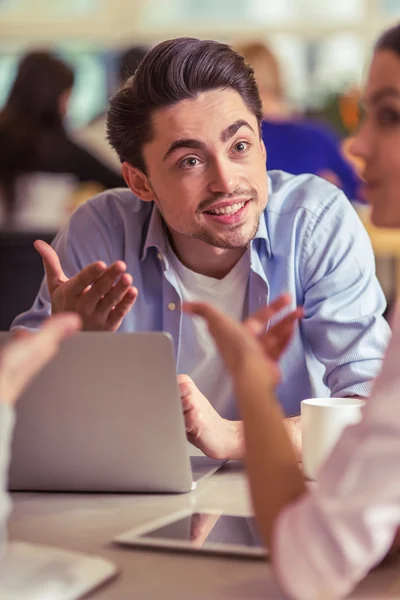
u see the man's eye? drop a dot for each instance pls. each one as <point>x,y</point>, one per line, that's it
<point>189,163</point>
<point>241,147</point>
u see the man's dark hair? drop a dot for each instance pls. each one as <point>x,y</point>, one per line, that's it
<point>173,71</point>
<point>128,61</point>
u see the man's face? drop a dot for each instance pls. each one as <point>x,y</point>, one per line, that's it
<point>206,169</point>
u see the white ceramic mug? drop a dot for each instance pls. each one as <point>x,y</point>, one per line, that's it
<point>322,423</point>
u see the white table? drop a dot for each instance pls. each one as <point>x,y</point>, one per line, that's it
<point>87,523</point>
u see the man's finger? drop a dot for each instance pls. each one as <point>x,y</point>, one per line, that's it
<point>113,297</point>
<point>121,310</point>
<point>78,284</point>
<point>54,273</point>
<point>101,286</point>
<point>183,378</point>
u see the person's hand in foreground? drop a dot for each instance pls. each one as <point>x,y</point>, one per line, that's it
<point>250,342</point>
<point>250,353</point>
<point>220,438</point>
<point>101,295</point>
<point>26,353</point>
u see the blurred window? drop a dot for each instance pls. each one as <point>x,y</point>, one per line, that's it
<point>48,9</point>
<point>337,63</point>
<point>390,7</point>
<point>252,11</point>
<point>91,90</point>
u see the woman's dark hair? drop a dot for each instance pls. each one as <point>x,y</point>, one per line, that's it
<point>389,40</point>
<point>173,71</point>
<point>31,118</point>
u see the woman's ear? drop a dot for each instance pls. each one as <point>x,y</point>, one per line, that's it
<point>138,182</point>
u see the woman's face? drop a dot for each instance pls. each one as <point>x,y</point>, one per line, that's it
<point>378,141</point>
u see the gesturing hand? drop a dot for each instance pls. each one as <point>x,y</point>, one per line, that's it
<point>250,347</point>
<point>26,353</point>
<point>205,428</point>
<point>101,295</point>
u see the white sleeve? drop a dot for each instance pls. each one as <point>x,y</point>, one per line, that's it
<point>329,539</point>
<point>6,430</point>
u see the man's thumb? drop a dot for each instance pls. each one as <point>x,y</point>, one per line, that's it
<point>54,273</point>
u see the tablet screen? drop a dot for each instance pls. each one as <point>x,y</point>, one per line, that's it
<point>202,529</point>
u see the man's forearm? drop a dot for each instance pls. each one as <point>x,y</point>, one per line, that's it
<point>236,448</point>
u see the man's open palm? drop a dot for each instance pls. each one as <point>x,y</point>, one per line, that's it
<point>101,295</point>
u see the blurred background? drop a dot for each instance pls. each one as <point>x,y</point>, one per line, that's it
<point>322,47</point>
<point>310,75</point>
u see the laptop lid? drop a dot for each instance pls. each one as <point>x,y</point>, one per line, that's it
<point>103,416</point>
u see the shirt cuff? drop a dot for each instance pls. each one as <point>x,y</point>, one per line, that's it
<point>300,558</point>
<point>363,389</point>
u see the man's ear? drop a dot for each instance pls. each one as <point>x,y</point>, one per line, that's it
<point>138,182</point>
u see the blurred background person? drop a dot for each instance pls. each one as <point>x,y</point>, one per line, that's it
<point>93,135</point>
<point>294,144</point>
<point>40,166</point>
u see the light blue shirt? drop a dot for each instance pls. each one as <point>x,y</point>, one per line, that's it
<point>310,243</point>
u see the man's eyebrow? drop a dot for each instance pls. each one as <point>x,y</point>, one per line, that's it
<point>184,143</point>
<point>194,144</point>
<point>230,131</point>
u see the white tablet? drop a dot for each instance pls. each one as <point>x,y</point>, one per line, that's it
<point>206,531</point>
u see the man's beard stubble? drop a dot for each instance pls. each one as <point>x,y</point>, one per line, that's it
<point>208,237</point>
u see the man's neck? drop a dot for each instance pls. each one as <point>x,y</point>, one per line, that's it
<point>203,258</point>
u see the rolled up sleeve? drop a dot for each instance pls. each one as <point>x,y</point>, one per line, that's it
<point>343,301</point>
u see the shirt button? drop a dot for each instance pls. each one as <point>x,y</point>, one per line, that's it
<point>160,256</point>
<point>172,306</point>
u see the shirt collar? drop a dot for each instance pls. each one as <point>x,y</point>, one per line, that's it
<point>155,236</point>
<point>262,231</point>
<point>262,234</point>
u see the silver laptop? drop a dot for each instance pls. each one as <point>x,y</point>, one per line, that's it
<point>105,416</point>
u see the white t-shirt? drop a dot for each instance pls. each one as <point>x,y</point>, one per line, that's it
<point>329,539</point>
<point>200,360</point>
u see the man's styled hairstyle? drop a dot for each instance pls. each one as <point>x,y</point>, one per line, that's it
<point>173,71</point>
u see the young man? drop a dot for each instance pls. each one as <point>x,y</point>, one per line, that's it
<point>203,221</point>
